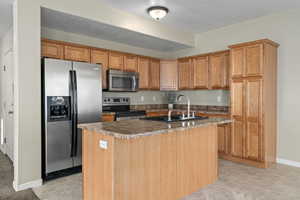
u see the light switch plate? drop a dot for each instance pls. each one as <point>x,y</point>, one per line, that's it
<point>103,144</point>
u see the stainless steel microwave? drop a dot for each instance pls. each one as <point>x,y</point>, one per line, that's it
<point>120,81</point>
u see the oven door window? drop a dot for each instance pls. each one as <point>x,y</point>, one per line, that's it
<point>122,82</point>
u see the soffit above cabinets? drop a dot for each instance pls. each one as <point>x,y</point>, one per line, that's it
<point>202,15</point>
<point>74,24</point>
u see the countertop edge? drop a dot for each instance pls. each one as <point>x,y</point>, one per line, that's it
<point>156,132</point>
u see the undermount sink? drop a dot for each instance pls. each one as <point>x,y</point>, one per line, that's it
<point>174,118</point>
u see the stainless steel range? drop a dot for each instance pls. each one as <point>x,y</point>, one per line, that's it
<point>121,106</point>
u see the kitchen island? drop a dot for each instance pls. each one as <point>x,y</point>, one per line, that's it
<point>149,160</point>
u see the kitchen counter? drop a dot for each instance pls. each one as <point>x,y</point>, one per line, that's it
<point>136,128</point>
<point>142,159</point>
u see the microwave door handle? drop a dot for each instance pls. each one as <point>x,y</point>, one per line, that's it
<point>134,83</point>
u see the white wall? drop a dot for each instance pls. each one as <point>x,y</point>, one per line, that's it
<point>95,42</point>
<point>6,44</point>
<point>283,28</point>
<point>27,51</point>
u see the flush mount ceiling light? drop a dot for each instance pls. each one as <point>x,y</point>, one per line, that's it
<point>157,12</point>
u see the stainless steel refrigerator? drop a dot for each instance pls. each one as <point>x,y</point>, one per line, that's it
<point>72,94</point>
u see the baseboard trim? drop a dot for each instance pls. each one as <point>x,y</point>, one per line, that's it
<point>28,185</point>
<point>288,162</point>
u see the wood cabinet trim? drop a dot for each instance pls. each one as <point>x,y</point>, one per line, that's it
<point>253,43</point>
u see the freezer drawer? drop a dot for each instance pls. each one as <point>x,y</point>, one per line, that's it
<point>58,146</point>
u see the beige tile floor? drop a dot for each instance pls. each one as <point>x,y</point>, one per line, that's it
<point>236,182</point>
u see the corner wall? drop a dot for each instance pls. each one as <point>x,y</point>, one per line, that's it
<point>27,108</point>
<point>283,28</point>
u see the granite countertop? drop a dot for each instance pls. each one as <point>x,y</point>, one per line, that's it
<point>129,129</point>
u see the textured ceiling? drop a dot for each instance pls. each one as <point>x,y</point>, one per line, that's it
<point>74,24</point>
<point>203,15</point>
<point>6,16</point>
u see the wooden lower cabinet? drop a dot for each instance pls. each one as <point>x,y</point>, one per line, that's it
<point>165,166</point>
<point>224,139</point>
<point>237,135</point>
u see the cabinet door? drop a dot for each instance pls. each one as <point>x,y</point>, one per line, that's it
<point>99,56</point>
<point>143,69</point>
<point>237,57</point>
<point>224,139</point>
<point>225,77</point>
<point>116,60</point>
<point>238,138</point>
<point>52,50</point>
<point>254,60</point>
<point>168,75</point>
<point>237,99</point>
<point>200,72</point>
<point>130,63</point>
<point>75,53</point>
<point>253,119</point>
<point>237,112</point>
<point>215,71</point>
<point>154,74</point>
<point>184,73</point>
<point>218,64</point>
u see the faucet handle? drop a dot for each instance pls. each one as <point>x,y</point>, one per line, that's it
<point>182,115</point>
<point>193,114</point>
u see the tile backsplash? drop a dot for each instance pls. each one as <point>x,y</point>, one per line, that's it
<point>141,97</point>
<point>197,97</point>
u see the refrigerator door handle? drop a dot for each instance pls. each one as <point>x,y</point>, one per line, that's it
<point>74,113</point>
<point>75,121</point>
<point>71,87</point>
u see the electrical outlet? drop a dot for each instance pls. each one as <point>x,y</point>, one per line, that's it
<point>142,98</point>
<point>154,98</point>
<point>103,144</point>
<point>219,99</point>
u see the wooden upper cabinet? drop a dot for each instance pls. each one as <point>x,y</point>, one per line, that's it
<point>226,71</point>
<point>52,50</point>
<point>143,69</point>
<point>168,75</point>
<point>237,62</point>
<point>77,53</point>
<point>130,63</point>
<point>184,74</point>
<point>154,82</point>
<point>218,68</point>
<point>116,60</point>
<point>253,106</point>
<point>200,72</point>
<point>254,60</point>
<point>99,56</point>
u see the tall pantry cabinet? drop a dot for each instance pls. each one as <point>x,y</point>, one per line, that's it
<point>253,102</point>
